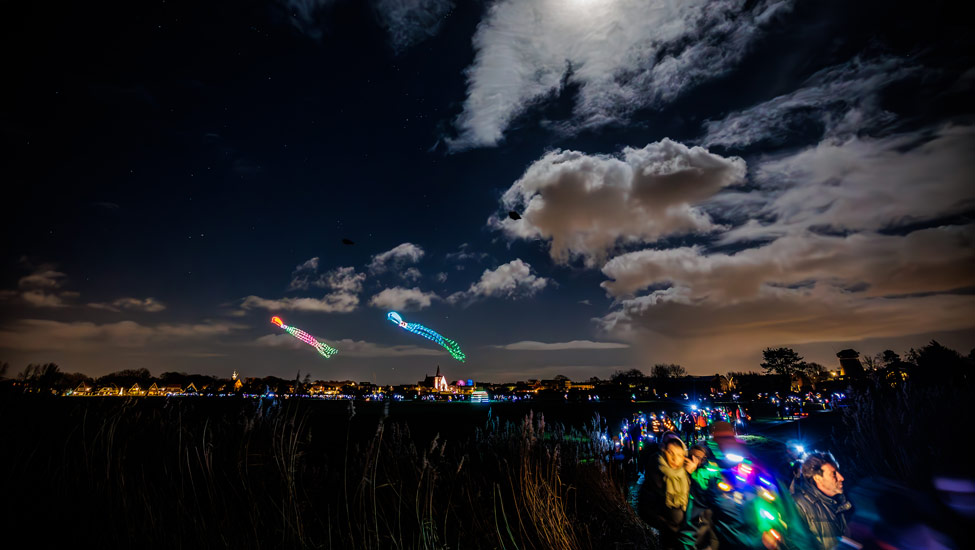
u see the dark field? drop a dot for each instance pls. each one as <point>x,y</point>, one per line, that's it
<point>250,473</point>
<point>187,472</point>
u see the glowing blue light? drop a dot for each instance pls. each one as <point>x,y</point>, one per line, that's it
<point>452,347</point>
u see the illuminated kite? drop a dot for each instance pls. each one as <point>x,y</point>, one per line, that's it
<point>322,348</point>
<point>415,328</point>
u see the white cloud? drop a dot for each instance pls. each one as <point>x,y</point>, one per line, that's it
<point>407,299</point>
<point>149,305</point>
<point>42,288</point>
<point>843,98</point>
<point>411,274</point>
<point>589,204</point>
<point>307,15</point>
<point>930,260</point>
<point>43,279</point>
<point>45,335</point>
<point>529,345</point>
<point>348,347</point>
<point>335,302</point>
<point>861,184</point>
<point>409,22</point>
<point>342,279</point>
<point>38,298</point>
<point>304,274</point>
<point>622,55</point>
<point>344,283</point>
<point>511,280</point>
<point>672,319</point>
<point>464,254</point>
<point>441,277</point>
<point>720,309</point>
<point>396,258</point>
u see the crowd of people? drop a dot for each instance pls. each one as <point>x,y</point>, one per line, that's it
<point>704,490</point>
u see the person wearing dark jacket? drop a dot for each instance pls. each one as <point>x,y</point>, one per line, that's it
<point>665,494</point>
<point>704,476</point>
<point>820,499</point>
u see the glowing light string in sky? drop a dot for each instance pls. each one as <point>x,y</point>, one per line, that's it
<point>322,348</point>
<point>416,328</point>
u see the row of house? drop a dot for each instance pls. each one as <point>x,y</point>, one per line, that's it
<point>135,390</point>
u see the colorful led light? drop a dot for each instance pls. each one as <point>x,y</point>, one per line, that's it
<point>324,349</point>
<point>452,347</point>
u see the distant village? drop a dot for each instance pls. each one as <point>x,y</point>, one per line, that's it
<point>785,372</point>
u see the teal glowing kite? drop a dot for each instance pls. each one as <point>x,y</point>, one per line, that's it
<point>415,328</point>
<point>322,348</point>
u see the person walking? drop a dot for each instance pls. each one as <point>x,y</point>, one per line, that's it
<point>819,497</point>
<point>665,493</point>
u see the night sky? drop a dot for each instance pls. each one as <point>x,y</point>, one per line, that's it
<point>695,181</point>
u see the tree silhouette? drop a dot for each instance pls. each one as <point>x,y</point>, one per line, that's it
<point>632,376</point>
<point>782,361</point>
<point>671,370</point>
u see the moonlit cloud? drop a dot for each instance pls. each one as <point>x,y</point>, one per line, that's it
<point>844,99</point>
<point>336,302</point>
<point>396,258</point>
<point>411,274</point>
<point>622,55</point>
<point>42,289</point>
<point>304,274</point>
<point>529,345</point>
<point>348,347</point>
<point>862,184</point>
<point>306,15</point>
<point>149,305</point>
<point>464,253</point>
<point>712,337</point>
<point>407,299</point>
<point>342,279</point>
<point>38,298</point>
<point>344,283</point>
<point>409,22</point>
<point>930,260</point>
<point>44,335</point>
<point>511,280</point>
<point>586,205</point>
<point>42,279</point>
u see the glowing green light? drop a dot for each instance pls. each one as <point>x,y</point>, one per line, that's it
<point>452,347</point>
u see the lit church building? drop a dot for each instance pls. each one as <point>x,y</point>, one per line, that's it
<point>437,382</point>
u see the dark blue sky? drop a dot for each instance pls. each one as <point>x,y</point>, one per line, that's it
<point>698,180</point>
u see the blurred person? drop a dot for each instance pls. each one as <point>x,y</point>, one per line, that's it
<point>732,505</point>
<point>656,427</point>
<point>665,494</point>
<point>687,428</point>
<point>704,475</point>
<point>819,497</point>
<point>701,425</point>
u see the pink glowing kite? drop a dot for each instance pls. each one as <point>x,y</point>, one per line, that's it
<point>322,348</point>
